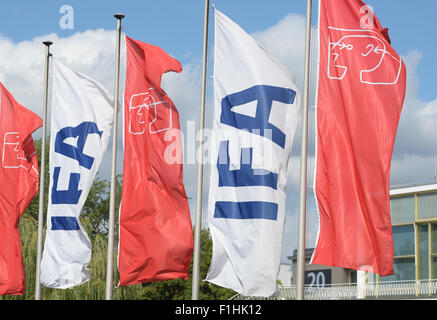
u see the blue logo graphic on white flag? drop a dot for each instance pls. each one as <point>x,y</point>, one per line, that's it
<point>255,117</point>
<point>80,129</point>
<point>264,96</point>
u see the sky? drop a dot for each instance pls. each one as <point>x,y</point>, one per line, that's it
<point>86,43</point>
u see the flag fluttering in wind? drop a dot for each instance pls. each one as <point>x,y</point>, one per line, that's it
<point>81,122</point>
<point>19,177</point>
<point>360,96</point>
<point>156,235</point>
<point>256,104</point>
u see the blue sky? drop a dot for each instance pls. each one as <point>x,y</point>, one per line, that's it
<point>177,27</point>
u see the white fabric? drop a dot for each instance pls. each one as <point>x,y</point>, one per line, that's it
<point>77,102</point>
<point>247,252</point>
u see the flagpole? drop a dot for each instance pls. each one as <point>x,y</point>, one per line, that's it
<point>300,279</point>
<point>110,261</point>
<point>198,225</point>
<point>42,174</point>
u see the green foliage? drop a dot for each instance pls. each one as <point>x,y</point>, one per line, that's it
<point>94,218</point>
<point>180,289</point>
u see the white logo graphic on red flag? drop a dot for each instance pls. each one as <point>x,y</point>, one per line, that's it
<point>19,177</point>
<point>13,154</point>
<point>149,105</point>
<point>359,101</point>
<point>371,50</point>
<point>156,239</point>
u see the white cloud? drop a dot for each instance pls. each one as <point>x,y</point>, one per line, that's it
<point>22,64</point>
<point>286,42</point>
<point>415,146</point>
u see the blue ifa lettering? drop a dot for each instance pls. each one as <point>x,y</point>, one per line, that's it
<point>264,95</point>
<point>69,196</point>
<point>246,210</point>
<point>64,223</point>
<point>80,132</point>
<point>246,176</point>
<point>72,194</point>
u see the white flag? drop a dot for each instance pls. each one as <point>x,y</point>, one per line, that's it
<point>80,128</point>
<point>256,105</point>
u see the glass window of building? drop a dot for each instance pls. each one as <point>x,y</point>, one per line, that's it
<point>403,263</point>
<point>427,206</point>
<point>402,210</point>
<point>423,256</point>
<point>403,240</point>
<point>414,226</point>
<point>433,242</point>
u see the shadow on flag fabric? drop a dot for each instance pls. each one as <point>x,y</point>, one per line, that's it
<point>256,104</point>
<point>19,177</point>
<point>156,234</point>
<point>81,123</point>
<point>360,96</point>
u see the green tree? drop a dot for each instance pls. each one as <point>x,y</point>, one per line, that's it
<point>180,289</point>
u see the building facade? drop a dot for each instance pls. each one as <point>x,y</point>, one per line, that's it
<point>319,276</point>
<point>414,225</point>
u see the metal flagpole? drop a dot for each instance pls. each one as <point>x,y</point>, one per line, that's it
<point>110,262</point>
<point>198,226</point>
<point>300,280</point>
<point>42,174</point>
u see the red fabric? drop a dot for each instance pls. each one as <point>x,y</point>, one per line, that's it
<point>360,96</point>
<point>156,236</point>
<point>19,179</point>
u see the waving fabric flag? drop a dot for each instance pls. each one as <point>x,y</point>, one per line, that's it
<point>19,177</point>
<point>80,128</point>
<point>156,236</point>
<point>256,105</point>
<point>360,96</point>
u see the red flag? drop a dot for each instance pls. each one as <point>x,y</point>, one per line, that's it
<point>360,97</point>
<point>19,178</point>
<point>156,237</point>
